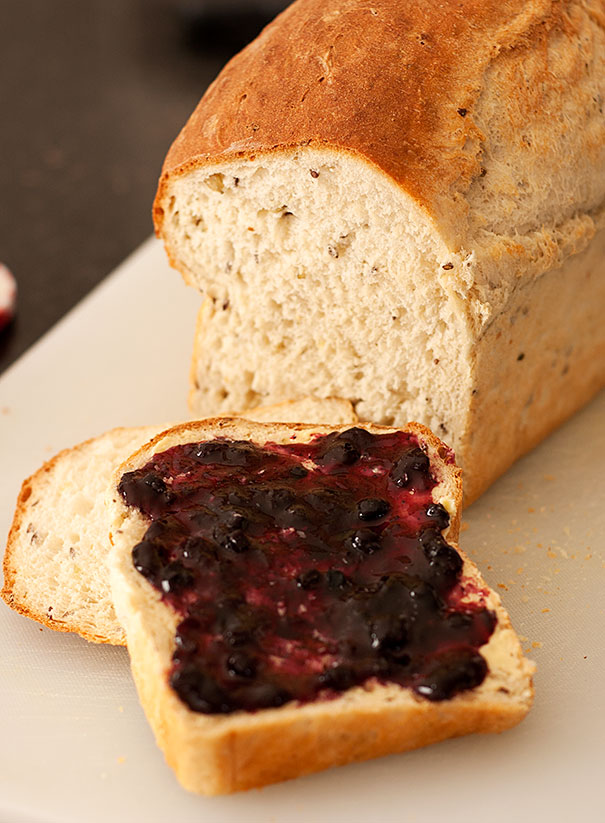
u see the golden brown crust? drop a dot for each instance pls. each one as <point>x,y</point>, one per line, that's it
<point>393,82</point>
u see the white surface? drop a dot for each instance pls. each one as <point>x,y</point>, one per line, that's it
<point>74,745</point>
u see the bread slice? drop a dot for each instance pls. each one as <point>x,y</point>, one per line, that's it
<point>221,753</point>
<point>402,203</point>
<point>55,560</point>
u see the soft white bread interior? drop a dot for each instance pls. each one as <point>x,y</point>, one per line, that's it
<point>214,754</point>
<point>419,231</point>
<point>55,568</point>
<point>55,561</point>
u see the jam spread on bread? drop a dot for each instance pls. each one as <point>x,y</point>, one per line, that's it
<point>301,570</point>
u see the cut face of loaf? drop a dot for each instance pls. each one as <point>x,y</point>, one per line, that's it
<point>55,568</point>
<point>419,232</point>
<point>238,694</point>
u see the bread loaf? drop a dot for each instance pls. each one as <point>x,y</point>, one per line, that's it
<point>211,637</point>
<point>55,567</point>
<point>401,203</point>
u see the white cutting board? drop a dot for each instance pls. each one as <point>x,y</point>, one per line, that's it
<point>74,744</point>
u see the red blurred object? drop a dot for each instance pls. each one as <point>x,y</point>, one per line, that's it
<point>8,296</point>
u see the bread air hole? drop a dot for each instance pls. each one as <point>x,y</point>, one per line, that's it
<point>216,182</point>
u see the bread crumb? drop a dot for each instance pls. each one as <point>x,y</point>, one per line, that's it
<point>463,526</point>
<point>544,611</point>
<point>121,759</point>
<point>503,586</point>
<point>531,510</point>
<point>536,644</point>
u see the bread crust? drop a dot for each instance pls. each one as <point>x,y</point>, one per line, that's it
<point>221,754</point>
<point>307,81</point>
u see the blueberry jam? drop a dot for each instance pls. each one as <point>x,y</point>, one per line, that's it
<point>301,570</point>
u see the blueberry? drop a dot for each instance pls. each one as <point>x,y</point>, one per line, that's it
<point>195,550</point>
<point>239,664</point>
<point>148,492</point>
<point>299,471</point>
<point>309,579</point>
<point>185,639</point>
<point>372,508</point>
<point>146,559</point>
<point>234,519</point>
<point>273,500</point>
<point>414,461</point>
<point>461,621</point>
<point>360,438</point>
<point>389,633</point>
<point>235,541</point>
<point>235,622</point>
<point>365,540</point>
<point>199,691</point>
<point>341,454</point>
<point>439,515</point>
<point>337,581</point>
<point>451,672</point>
<point>444,561</point>
<point>174,578</point>
<point>224,453</point>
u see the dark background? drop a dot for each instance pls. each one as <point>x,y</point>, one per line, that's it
<point>92,93</point>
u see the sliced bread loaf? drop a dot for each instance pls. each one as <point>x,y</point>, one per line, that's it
<point>55,561</point>
<point>401,203</point>
<point>290,602</point>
